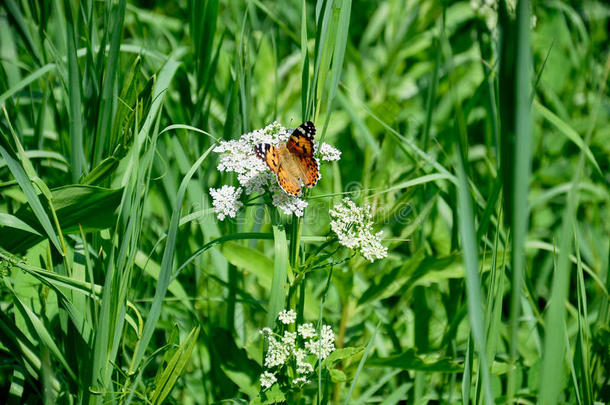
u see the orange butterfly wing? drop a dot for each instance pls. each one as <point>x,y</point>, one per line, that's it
<point>287,182</point>
<point>301,144</point>
<point>311,167</point>
<point>268,154</point>
<point>271,156</point>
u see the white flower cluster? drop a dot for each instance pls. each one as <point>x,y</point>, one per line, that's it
<point>287,316</point>
<point>226,201</point>
<point>267,379</point>
<point>353,226</point>
<point>294,348</point>
<point>323,346</point>
<point>253,175</point>
<point>329,153</point>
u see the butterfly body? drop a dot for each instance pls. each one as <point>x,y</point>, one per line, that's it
<point>293,162</point>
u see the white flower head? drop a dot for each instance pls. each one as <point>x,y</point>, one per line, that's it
<point>288,355</point>
<point>353,226</point>
<point>226,201</point>
<point>307,331</point>
<point>267,379</point>
<point>303,366</point>
<point>300,381</point>
<point>277,353</point>
<point>287,316</point>
<point>323,346</point>
<point>329,153</point>
<point>289,204</point>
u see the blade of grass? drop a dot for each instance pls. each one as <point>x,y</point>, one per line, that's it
<point>369,346</point>
<point>74,93</point>
<point>277,295</point>
<point>166,265</point>
<point>473,283</point>
<point>28,189</point>
<point>107,102</point>
<point>32,77</point>
<point>520,165</point>
<point>554,355</point>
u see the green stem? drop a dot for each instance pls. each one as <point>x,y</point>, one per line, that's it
<point>295,241</point>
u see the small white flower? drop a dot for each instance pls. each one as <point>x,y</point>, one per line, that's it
<point>287,316</point>
<point>289,204</point>
<point>226,201</point>
<point>277,353</point>
<point>300,380</point>
<point>353,226</point>
<point>289,340</point>
<point>303,367</point>
<point>264,331</point>
<point>307,331</point>
<point>323,346</point>
<point>267,379</point>
<point>329,153</point>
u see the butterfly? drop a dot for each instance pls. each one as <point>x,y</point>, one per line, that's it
<point>293,162</point>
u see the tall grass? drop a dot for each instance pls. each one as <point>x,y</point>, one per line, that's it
<point>478,135</point>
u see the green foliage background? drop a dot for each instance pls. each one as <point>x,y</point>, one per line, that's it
<point>479,134</point>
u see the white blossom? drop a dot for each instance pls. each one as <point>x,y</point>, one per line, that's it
<point>287,316</point>
<point>307,331</point>
<point>353,226</point>
<point>267,379</point>
<point>226,201</point>
<point>329,153</point>
<point>289,340</point>
<point>303,366</point>
<point>277,353</point>
<point>323,346</point>
<point>300,380</point>
<point>287,354</point>
<point>289,204</point>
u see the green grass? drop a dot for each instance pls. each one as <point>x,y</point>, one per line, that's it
<point>480,137</point>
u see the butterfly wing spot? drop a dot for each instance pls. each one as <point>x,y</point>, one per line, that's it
<point>289,184</point>
<point>300,141</point>
<point>268,154</point>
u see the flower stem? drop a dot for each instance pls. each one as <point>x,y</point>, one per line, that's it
<point>295,241</point>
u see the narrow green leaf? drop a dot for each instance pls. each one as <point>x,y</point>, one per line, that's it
<point>278,291</point>
<point>166,264</point>
<point>28,189</point>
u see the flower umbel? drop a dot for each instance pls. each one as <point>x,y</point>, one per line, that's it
<point>267,379</point>
<point>294,354</point>
<point>329,153</point>
<point>353,226</point>
<point>287,317</point>
<point>226,201</point>
<point>323,346</point>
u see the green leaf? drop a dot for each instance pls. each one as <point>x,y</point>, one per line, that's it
<point>28,189</point>
<point>251,260</point>
<point>175,367</point>
<point>344,354</point>
<point>409,360</point>
<point>12,221</point>
<point>280,271</point>
<point>337,376</point>
<point>93,208</point>
<point>274,395</point>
